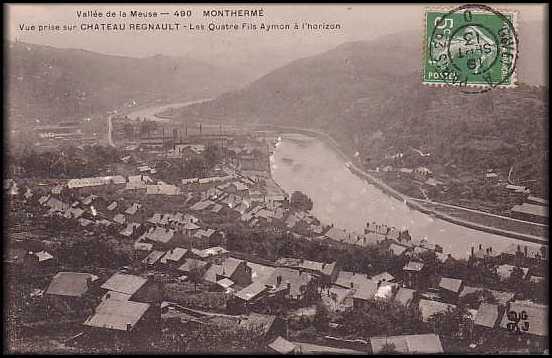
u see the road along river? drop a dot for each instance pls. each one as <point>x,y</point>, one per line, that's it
<point>342,198</point>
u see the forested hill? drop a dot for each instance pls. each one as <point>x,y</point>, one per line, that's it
<point>369,95</point>
<point>55,85</point>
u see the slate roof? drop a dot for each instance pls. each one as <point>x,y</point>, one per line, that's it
<point>117,314</point>
<point>450,284</point>
<point>252,291</point>
<point>73,284</point>
<point>487,315</point>
<point>133,209</point>
<point>413,266</point>
<point>124,283</point>
<point>230,265</point>
<point>405,296</point>
<point>175,255</point>
<point>320,267</point>
<point>366,290</point>
<point>211,273</point>
<point>153,257</point>
<point>294,277</point>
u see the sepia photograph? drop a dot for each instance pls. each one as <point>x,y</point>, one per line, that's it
<point>275,178</point>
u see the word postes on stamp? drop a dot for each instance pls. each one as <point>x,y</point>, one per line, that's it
<point>472,46</point>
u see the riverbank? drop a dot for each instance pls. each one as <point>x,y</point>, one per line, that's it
<point>410,202</point>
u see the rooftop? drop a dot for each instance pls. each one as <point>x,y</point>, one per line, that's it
<point>117,314</point>
<point>73,284</point>
<point>124,283</point>
<point>450,284</point>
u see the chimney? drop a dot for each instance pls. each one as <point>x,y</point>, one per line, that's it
<point>107,296</point>
<point>288,285</point>
<point>323,265</point>
<point>129,327</point>
<point>89,282</point>
<point>352,286</point>
<point>278,280</point>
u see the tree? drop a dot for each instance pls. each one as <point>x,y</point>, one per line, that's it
<point>300,201</point>
<point>196,274</point>
<point>321,318</point>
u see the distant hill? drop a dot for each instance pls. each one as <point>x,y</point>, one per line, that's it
<point>368,95</point>
<point>53,85</point>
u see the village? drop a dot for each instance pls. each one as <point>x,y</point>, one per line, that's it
<point>177,243</point>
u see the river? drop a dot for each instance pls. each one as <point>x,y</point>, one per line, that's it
<point>342,198</point>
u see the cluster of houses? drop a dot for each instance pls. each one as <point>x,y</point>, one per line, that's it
<point>261,291</point>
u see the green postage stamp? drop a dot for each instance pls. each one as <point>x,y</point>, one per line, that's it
<point>471,46</point>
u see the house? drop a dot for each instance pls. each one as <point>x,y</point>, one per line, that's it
<point>365,293</point>
<point>214,254</point>
<point>397,250</point>
<point>119,219</point>
<point>248,296</point>
<point>293,284</point>
<point>237,271</point>
<point>282,346</point>
<point>428,308</point>
<point>67,290</point>
<point>96,181</point>
<point>120,315</point>
<point>162,189</point>
<point>412,344</point>
<point>405,296</point>
<point>133,209</point>
<point>348,279</point>
<point>138,289</point>
<point>505,271</point>
<point>533,322</point>
<point>336,234</point>
<point>328,272</point>
<point>502,298</point>
<point>153,258</point>
<point>450,288</point>
<point>174,257</point>
<point>160,236</point>
<point>112,206</point>
<point>130,229</point>
<point>487,316</point>
<point>413,273</point>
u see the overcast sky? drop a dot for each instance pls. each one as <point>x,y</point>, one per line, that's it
<point>262,50</point>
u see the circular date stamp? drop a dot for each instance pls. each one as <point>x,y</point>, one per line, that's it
<point>473,47</point>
